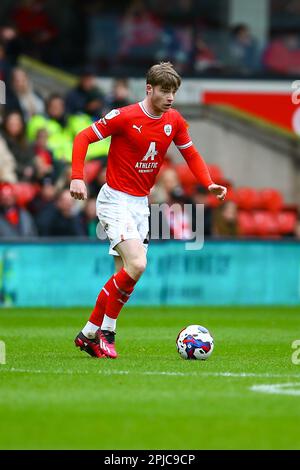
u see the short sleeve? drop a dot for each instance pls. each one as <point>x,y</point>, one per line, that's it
<point>182,138</point>
<point>110,124</point>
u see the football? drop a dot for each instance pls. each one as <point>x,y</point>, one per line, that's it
<point>195,342</point>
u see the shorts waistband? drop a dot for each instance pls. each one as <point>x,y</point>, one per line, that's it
<point>126,195</point>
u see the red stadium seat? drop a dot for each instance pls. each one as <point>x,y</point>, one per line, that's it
<point>265,224</point>
<point>25,192</point>
<point>91,170</point>
<point>246,223</point>
<point>270,200</point>
<point>247,198</point>
<point>189,182</point>
<point>216,173</point>
<point>287,222</point>
<point>231,194</point>
<point>212,201</point>
<point>186,178</point>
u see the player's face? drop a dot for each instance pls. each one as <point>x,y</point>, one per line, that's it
<point>161,98</point>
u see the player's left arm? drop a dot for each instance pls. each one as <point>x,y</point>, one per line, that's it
<point>195,161</point>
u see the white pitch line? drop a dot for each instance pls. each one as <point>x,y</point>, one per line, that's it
<point>278,389</point>
<point>166,373</point>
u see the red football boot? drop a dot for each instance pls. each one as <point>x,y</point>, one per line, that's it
<point>91,346</point>
<point>107,343</point>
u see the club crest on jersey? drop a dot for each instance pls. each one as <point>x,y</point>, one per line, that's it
<point>113,113</point>
<point>168,129</point>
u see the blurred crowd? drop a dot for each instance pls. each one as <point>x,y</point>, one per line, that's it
<point>36,134</point>
<point>124,38</point>
<point>36,138</point>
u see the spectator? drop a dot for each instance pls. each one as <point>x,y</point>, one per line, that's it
<point>86,103</point>
<point>64,222</point>
<point>11,41</point>
<point>96,185</point>
<point>167,182</point>
<point>46,168</point>
<point>177,217</point>
<point>90,219</point>
<point>201,197</point>
<point>205,59</point>
<point>184,35</point>
<point>37,31</point>
<point>14,221</point>
<point>176,45</point>
<point>4,65</point>
<point>120,95</point>
<point>86,97</point>
<point>282,55</point>
<point>243,50</point>
<point>140,34</point>
<point>61,130</point>
<point>56,123</point>
<point>14,135</point>
<point>225,223</point>
<point>8,165</point>
<point>42,207</point>
<point>21,97</point>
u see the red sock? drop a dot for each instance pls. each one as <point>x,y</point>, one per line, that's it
<point>99,309</point>
<point>119,290</point>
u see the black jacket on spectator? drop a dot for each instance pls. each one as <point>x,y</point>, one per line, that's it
<point>77,100</point>
<point>53,223</point>
<point>42,212</point>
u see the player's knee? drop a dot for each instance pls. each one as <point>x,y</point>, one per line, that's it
<point>138,266</point>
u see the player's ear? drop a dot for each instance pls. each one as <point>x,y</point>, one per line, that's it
<point>149,89</point>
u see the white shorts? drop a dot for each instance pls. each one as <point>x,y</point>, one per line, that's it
<point>122,216</point>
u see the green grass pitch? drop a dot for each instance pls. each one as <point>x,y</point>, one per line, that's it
<point>52,396</point>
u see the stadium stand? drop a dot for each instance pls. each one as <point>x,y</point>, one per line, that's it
<point>50,104</point>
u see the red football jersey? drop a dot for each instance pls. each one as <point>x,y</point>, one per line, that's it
<point>139,143</point>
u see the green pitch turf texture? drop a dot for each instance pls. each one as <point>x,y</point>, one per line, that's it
<point>53,396</point>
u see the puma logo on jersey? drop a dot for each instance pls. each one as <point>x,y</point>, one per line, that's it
<point>137,128</point>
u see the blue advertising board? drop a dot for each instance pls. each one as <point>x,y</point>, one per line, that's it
<point>222,273</point>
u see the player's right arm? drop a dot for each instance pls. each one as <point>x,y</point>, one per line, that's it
<point>101,129</point>
<point>80,146</point>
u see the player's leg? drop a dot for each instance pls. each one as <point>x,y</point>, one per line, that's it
<point>108,213</point>
<point>97,314</point>
<point>119,288</point>
<point>133,256</point>
<point>87,339</point>
<point>121,221</point>
<point>118,263</point>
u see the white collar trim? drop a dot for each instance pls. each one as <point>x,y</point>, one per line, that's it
<point>152,116</point>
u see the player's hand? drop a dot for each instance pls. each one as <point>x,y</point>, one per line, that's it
<point>219,191</point>
<point>78,189</point>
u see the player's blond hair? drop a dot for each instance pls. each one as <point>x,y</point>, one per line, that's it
<point>165,75</point>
